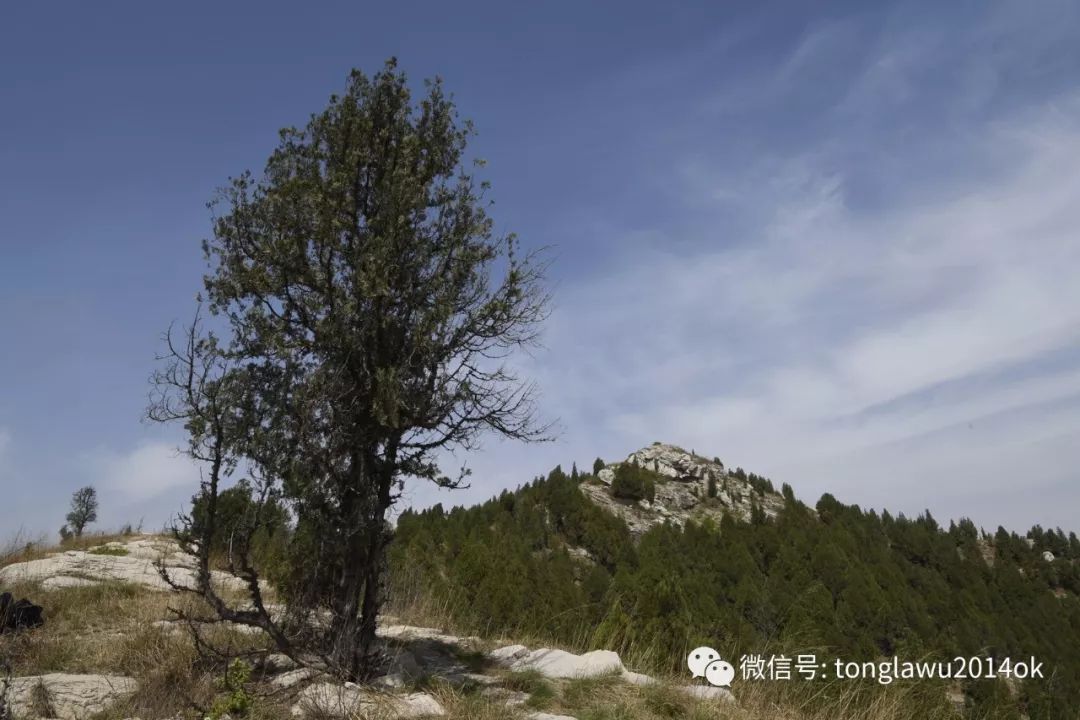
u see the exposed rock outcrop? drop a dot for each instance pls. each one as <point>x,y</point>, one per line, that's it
<point>689,487</point>
<point>133,561</point>
<point>559,664</point>
<point>66,697</point>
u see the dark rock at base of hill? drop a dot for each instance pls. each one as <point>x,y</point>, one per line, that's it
<point>19,614</point>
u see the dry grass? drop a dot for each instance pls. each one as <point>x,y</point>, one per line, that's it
<point>109,628</point>
<point>607,698</point>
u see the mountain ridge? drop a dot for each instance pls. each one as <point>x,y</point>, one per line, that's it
<point>610,559</point>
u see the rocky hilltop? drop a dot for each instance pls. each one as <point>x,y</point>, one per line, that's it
<point>687,487</point>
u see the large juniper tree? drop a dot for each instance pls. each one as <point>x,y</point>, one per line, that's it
<point>370,310</point>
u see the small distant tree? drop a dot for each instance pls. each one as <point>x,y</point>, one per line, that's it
<point>712,486</point>
<point>597,466</point>
<point>84,505</point>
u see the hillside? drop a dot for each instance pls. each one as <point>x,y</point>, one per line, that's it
<point>109,649</point>
<point>578,597</point>
<point>748,571</point>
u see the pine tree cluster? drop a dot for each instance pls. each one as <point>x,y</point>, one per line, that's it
<point>835,580</point>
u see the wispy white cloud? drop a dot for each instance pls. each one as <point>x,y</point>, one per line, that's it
<point>147,471</point>
<point>921,350</point>
<point>842,313</point>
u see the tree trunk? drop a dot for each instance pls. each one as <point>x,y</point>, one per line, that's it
<point>373,568</point>
<point>346,597</point>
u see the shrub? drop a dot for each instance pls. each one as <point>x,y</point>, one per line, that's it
<point>235,698</point>
<point>633,482</point>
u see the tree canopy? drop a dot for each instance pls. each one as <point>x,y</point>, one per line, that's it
<point>84,507</point>
<point>370,310</point>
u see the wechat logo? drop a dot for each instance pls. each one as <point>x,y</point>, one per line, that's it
<point>707,663</point>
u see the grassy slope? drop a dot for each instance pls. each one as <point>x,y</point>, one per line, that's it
<point>110,629</point>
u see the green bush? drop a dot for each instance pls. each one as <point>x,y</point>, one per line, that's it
<point>234,700</point>
<point>634,483</point>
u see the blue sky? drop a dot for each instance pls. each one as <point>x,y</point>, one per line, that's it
<point>837,247</point>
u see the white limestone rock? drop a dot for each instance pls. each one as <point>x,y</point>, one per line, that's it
<point>292,678</point>
<point>177,627</point>
<point>639,679</point>
<point>68,697</point>
<point>561,664</point>
<point>390,681</point>
<point>62,582</point>
<point>278,662</point>
<point>139,566</point>
<point>409,632</point>
<point>682,491</point>
<point>507,655</point>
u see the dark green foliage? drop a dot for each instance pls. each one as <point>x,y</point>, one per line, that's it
<point>597,466</point>
<point>761,485</point>
<point>842,583</point>
<point>634,483</point>
<point>234,699</point>
<point>262,524</point>
<point>365,303</point>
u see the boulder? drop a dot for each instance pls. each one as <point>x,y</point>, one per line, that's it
<point>66,697</point>
<point>507,655</point>
<point>634,678</point>
<point>290,678</point>
<point>19,614</point>
<point>561,664</point>
<point>278,662</point>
